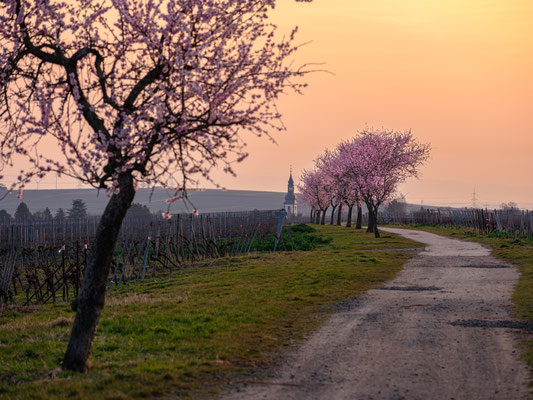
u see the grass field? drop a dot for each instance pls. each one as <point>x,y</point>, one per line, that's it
<point>188,334</point>
<point>518,252</point>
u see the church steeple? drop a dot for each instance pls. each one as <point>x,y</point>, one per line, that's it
<point>291,182</point>
<point>290,199</point>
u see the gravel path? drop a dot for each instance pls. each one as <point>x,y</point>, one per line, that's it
<point>441,330</point>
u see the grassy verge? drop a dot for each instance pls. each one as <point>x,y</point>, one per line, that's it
<point>185,335</point>
<point>518,252</point>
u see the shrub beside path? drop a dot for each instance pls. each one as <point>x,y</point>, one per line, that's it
<point>441,330</point>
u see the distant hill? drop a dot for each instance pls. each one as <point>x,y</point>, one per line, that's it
<point>210,200</point>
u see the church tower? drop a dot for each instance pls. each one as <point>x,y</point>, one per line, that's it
<point>290,204</point>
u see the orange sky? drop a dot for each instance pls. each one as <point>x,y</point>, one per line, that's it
<point>459,73</point>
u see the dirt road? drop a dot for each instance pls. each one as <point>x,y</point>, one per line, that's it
<point>441,330</point>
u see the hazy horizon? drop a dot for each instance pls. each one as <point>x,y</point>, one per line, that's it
<point>210,200</point>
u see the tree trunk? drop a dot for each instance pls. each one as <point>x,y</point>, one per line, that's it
<point>317,217</point>
<point>89,303</point>
<point>323,219</point>
<point>376,231</point>
<point>311,220</point>
<point>339,215</point>
<point>349,219</point>
<point>359,222</point>
<point>333,214</point>
<point>370,227</point>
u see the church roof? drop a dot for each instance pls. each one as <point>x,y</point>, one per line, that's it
<point>290,198</point>
<point>291,182</point>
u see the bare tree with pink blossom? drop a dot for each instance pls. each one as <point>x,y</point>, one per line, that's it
<point>134,91</point>
<point>326,164</point>
<point>315,193</point>
<point>330,184</point>
<point>377,161</point>
<point>342,185</point>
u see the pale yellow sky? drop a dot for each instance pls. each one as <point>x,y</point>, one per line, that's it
<point>459,73</point>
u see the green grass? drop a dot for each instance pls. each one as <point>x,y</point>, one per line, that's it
<point>187,335</point>
<point>518,252</point>
<point>294,237</point>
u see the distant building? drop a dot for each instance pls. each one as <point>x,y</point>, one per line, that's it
<point>290,204</point>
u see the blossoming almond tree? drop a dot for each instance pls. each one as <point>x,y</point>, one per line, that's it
<point>377,161</point>
<point>325,163</point>
<point>343,186</point>
<point>131,91</point>
<point>314,192</point>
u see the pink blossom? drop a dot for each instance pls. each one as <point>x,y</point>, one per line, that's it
<point>173,199</point>
<point>200,95</point>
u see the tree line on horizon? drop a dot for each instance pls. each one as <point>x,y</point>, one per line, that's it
<point>76,212</point>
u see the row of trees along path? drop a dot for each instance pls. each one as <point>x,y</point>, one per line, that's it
<point>134,91</point>
<point>365,169</point>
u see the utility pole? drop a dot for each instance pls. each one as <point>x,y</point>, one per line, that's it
<point>474,199</point>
